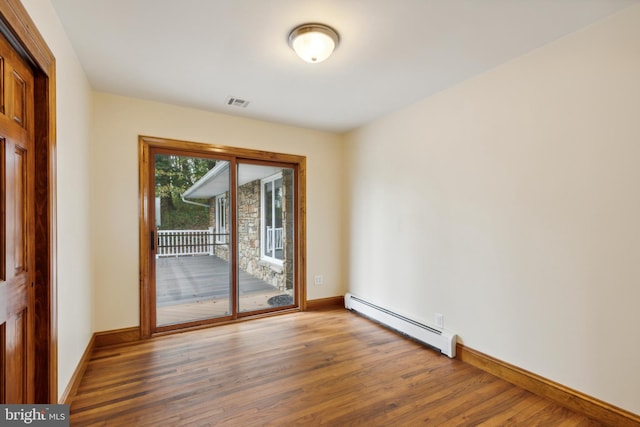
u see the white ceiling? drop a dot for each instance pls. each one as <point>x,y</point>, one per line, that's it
<point>196,53</point>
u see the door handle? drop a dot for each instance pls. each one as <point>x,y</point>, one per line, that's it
<point>152,241</point>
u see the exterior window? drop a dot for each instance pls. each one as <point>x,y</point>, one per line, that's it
<point>222,229</point>
<point>271,230</point>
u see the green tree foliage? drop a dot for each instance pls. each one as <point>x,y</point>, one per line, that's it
<point>173,176</point>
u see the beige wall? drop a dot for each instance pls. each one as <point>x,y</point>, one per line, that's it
<point>114,187</point>
<point>511,204</point>
<point>74,232</point>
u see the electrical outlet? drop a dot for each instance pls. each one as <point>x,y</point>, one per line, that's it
<point>439,318</point>
<point>318,279</point>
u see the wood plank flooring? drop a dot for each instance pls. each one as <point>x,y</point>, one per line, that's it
<point>189,279</point>
<point>312,368</point>
<point>181,313</point>
<point>192,288</point>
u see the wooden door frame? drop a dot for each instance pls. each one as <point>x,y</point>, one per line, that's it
<point>16,25</point>
<point>145,144</point>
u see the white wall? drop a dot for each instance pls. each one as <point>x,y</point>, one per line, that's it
<point>74,232</point>
<point>511,204</point>
<point>114,168</point>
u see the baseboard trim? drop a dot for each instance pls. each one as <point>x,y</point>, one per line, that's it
<point>117,336</point>
<point>98,339</point>
<point>78,373</point>
<point>572,399</point>
<point>325,303</point>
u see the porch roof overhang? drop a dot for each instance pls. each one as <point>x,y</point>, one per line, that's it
<point>216,181</point>
<point>213,183</point>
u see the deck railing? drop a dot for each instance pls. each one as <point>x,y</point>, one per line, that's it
<point>274,239</point>
<point>173,243</point>
<point>185,242</point>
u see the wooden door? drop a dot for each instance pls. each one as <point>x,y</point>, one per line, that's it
<point>17,228</point>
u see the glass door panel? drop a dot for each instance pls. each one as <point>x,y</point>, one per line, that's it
<point>192,257</point>
<point>266,237</point>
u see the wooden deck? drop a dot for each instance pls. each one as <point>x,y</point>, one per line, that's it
<point>330,368</point>
<point>197,287</point>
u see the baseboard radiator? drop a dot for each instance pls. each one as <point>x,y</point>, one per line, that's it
<point>431,336</point>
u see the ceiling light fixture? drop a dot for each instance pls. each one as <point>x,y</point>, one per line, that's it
<point>313,42</point>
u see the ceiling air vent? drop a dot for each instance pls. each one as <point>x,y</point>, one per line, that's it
<point>237,102</point>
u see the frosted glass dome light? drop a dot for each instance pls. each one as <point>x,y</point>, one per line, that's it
<point>313,42</point>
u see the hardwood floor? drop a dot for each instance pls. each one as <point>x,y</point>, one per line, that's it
<point>311,368</point>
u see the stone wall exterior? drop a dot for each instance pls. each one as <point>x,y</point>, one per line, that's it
<point>288,213</point>
<point>248,222</point>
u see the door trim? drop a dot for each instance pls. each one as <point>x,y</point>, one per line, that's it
<point>145,145</point>
<point>17,26</point>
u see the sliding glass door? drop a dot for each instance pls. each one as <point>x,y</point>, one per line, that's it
<point>193,278</point>
<point>222,236</point>
<point>266,236</point>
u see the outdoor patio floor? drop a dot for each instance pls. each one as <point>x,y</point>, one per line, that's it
<point>197,287</point>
